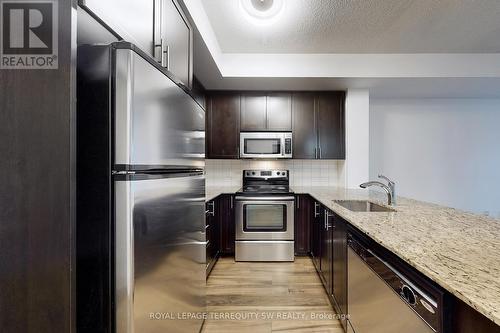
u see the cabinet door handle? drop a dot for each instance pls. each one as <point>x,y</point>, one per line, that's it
<point>327,224</point>
<point>298,202</point>
<point>319,150</point>
<point>168,57</point>
<point>211,211</point>
<point>162,52</point>
<point>165,55</point>
<point>158,52</point>
<point>315,153</point>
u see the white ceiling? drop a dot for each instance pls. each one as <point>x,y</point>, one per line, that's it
<point>361,26</point>
<point>394,48</point>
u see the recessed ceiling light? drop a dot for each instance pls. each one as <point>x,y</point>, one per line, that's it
<point>262,12</point>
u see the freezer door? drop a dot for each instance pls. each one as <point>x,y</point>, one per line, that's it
<point>157,124</point>
<point>159,253</point>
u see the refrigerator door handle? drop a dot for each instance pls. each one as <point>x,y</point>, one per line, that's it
<point>124,257</point>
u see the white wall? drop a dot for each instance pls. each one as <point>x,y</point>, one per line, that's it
<point>357,137</point>
<point>445,151</point>
<point>302,172</point>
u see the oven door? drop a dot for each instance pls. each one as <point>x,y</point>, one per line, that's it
<point>264,218</point>
<point>262,145</point>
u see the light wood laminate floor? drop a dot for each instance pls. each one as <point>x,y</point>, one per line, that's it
<point>267,297</point>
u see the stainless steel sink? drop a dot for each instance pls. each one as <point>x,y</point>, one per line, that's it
<point>363,206</point>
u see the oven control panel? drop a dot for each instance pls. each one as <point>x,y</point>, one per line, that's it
<point>265,174</point>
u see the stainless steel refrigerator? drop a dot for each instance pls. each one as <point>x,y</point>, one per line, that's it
<point>140,196</point>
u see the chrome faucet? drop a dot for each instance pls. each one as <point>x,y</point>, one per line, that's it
<point>390,188</point>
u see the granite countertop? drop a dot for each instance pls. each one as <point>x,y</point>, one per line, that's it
<point>459,251</point>
<point>214,191</point>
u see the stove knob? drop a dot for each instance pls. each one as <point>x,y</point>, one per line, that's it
<point>253,173</point>
<point>278,173</point>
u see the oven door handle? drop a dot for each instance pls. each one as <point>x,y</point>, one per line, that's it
<point>264,198</point>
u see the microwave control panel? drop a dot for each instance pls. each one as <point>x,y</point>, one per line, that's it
<point>288,146</point>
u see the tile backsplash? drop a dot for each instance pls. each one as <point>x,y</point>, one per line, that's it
<point>302,172</point>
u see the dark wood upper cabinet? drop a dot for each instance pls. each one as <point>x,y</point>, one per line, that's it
<point>199,93</point>
<point>305,138</point>
<point>253,112</point>
<point>266,112</point>
<point>316,120</point>
<point>279,112</point>
<point>223,130</point>
<point>330,124</point>
<point>318,125</point>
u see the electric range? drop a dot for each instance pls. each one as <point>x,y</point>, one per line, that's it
<point>264,216</point>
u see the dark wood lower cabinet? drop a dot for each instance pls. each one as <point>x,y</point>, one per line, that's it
<point>329,253</point>
<point>227,231</point>
<point>315,244</point>
<point>212,233</point>
<point>326,250</point>
<point>465,319</point>
<point>219,229</point>
<point>303,210</point>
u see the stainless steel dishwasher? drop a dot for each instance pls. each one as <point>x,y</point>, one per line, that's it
<point>383,300</point>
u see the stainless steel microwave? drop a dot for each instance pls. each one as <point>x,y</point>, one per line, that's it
<point>266,144</point>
